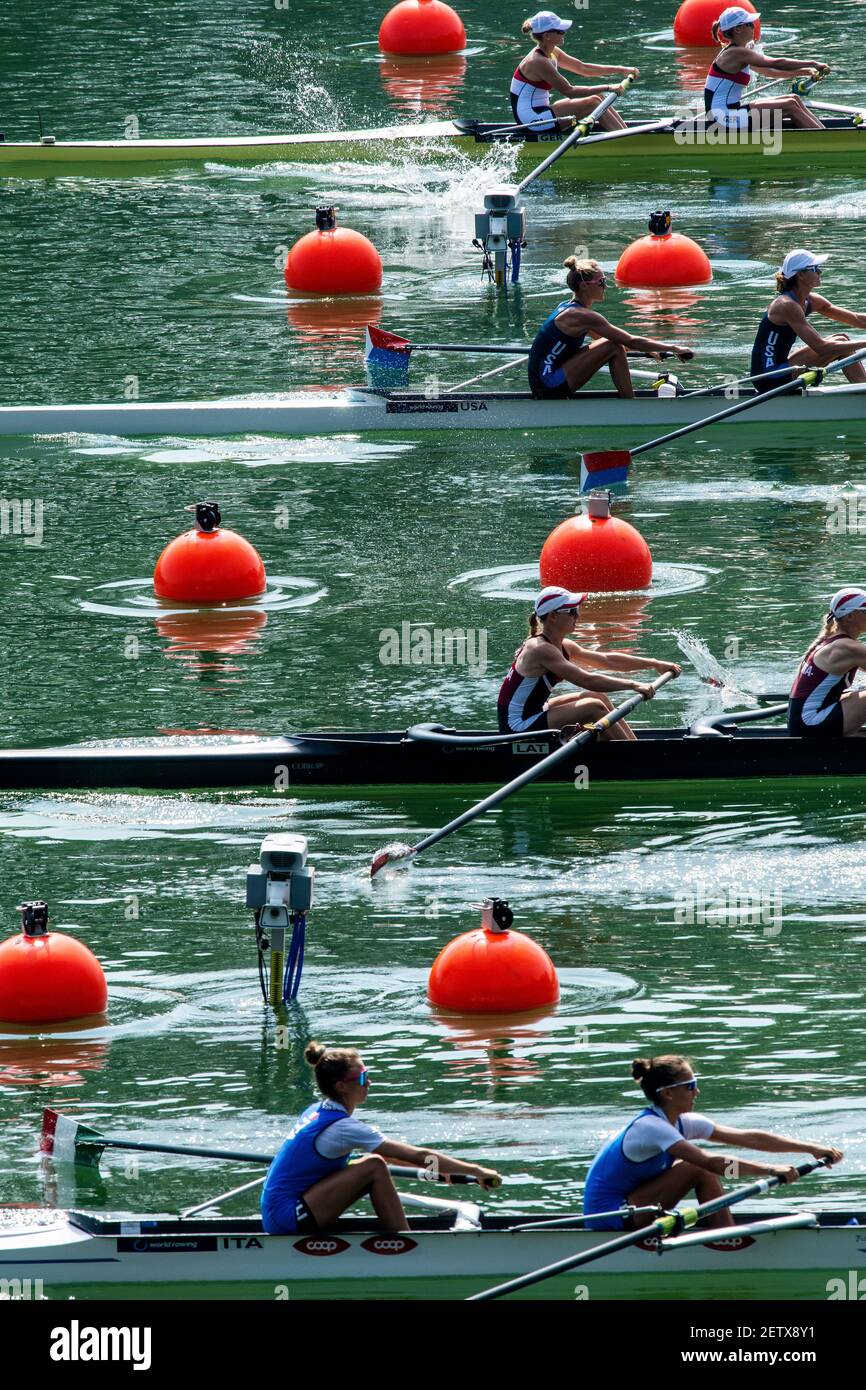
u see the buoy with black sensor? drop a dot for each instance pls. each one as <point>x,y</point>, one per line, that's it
<point>493,970</point>
<point>48,977</point>
<point>333,260</point>
<point>209,565</point>
<point>663,260</point>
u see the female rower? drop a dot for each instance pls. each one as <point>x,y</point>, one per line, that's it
<point>561,359</point>
<point>311,1183</point>
<point>539,73</point>
<point>654,1161</point>
<point>549,656</point>
<point>787,319</point>
<point>821,704</point>
<point>731,74</point>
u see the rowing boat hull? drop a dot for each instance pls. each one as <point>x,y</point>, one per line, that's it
<point>358,1260</point>
<point>842,145</point>
<point>392,759</point>
<point>358,411</point>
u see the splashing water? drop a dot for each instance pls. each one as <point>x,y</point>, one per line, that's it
<point>695,650</point>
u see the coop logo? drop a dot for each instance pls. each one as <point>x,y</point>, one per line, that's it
<point>77,1343</point>
<point>318,1245</point>
<point>388,1245</point>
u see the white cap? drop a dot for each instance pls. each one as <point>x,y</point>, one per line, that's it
<point>800,260</point>
<point>735,15</point>
<point>553,599</point>
<point>546,22</point>
<point>846,601</point>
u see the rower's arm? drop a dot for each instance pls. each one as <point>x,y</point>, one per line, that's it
<point>765,1142</point>
<point>436,1163</point>
<point>543,70</point>
<point>841,656</point>
<point>839,315</point>
<point>592,69</point>
<point>618,661</point>
<point>795,318</point>
<point>722,1164</point>
<point>597,325</point>
<point>781,66</point>
<point>565,670</point>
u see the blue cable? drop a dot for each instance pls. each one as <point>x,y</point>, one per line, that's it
<point>295,962</point>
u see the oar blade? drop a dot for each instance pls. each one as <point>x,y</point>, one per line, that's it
<point>396,854</point>
<point>604,468</point>
<point>68,1141</point>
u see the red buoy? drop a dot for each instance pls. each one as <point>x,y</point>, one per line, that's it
<point>493,970</point>
<point>47,977</point>
<point>596,552</point>
<point>694,20</point>
<point>333,260</point>
<point>663,259</point>
<point>422,27</point>
<point>208,565</point>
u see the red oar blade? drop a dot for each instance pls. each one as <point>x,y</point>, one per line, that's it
<point>604,468</point>
<point>396,854</point>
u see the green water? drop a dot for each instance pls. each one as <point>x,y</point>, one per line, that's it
<point>173,279</point>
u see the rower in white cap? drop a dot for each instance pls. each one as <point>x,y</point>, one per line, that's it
<point>731,74</point>
<point>822,703</point>
<point>549,655</point>
<point>539,74</point>
<point>787,319</point>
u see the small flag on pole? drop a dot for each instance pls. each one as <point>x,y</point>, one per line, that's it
<point>604,469</point>
<point>386,350</point>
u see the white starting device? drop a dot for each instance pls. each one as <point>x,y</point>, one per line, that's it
<point>499,229</point>
<point>280,893</point>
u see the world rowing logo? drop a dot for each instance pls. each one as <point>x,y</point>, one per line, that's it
<point>388,1245</point>
<point>321,1245</point>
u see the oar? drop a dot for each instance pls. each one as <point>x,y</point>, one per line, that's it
<point>665,1226</point>
<point>223,1197</point>
<point>743,381</point>
<point>617,461</point>
<point>579,134</point>
<point>401,853</point>
<point>840,110</point>
<point>794,1221</point>
<point>67,1139</point>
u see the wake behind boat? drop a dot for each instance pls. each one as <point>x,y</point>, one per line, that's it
<point>357,410</point>
<point>726,747</point>
<point>685,146</point>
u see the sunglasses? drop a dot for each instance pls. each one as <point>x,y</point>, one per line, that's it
<point>692,1085</point>
<point>363,1078</point>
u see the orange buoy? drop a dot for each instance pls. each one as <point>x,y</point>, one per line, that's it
<point>208,565</point>
<point>47,977</point>
<point>333,260</point>
<point>493,970</point>
<point>694,20</point>
<point>663,259</point>
<point>422,27</point>
<point>596,552</point>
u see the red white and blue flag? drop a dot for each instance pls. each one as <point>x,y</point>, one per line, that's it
<point>385,349</point>
<point>604,468</point>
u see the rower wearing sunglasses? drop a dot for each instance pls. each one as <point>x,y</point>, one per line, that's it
<point>549,655</point>
<point>576,341</point>
<point>311,1182</point>
<point>787,319</point>
<point>655,1161</point>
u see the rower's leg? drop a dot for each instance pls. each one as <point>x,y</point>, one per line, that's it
<point>563,710</point>
<point>329,1198</point>
<point>853,711</point>
<point>811,357</point>
<point>584,365</point>
<point>792,109</point>
<point>580,107</point>
<point>676,1183</point>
